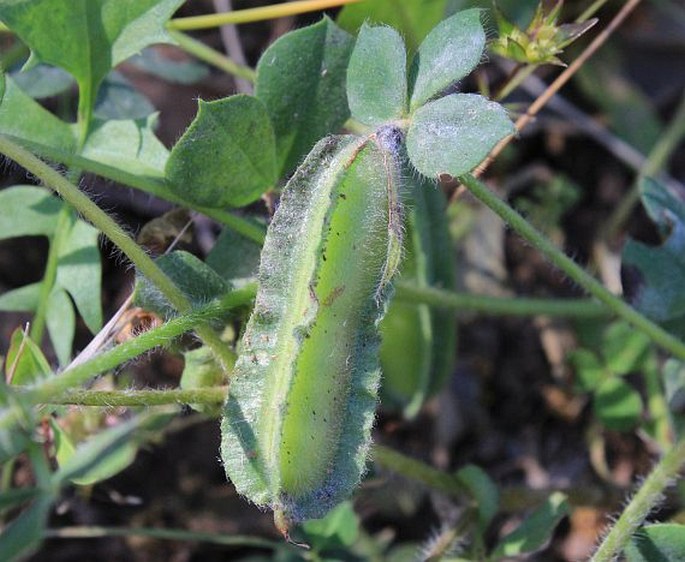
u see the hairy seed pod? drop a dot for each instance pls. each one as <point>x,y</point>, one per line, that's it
<point>297,423</point>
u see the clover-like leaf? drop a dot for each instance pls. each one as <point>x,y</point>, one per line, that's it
<point>452,135</point>
<point>663,542</point>
<point>227,156</point>
<point>536,531</point>
<point>377,76</point>
<point>301,80</point>
<point>617,404</point>
<point>449,52</point>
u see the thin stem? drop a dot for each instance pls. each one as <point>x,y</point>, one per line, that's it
<point>102,221</point>
<point>417,470</point>
<point>516,80</point>
<point>48,282</point>
<point>529,233</point>
<point>154,186</point>
<point>232,44</point>
<point>647,497</point>
<point>163,534</point>
<point>47,389</point>
<point>439,298</point>
<point>146,397</point>
<point>590,11</point>
<point>212,56</point>
<point>254,14</point>
<point>655,162</point>
<point>560,81</point>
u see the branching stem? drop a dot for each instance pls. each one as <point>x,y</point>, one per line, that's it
<point>529,233</point>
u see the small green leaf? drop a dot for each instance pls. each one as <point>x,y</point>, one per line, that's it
<point>657,543</point>
<point>412,19</point>
<point>25,362</point>
<point>24,533</point>
<point>43,81</point>
<point>28,210</point>
<point>64,446</point>
<point>484,492</point>
<point>118,99</point>
<point>37,126</point>
<point>377,76</point>
<point>227,155</point>
<point>22,299</point>
<point>590,372</point>
<point>674,383</point>
<point>107,453</point>
<point>536,531</point>
<point>449,52</point>
<point>234,257</point>
<point>624,348</point>
<point>340,528</point>
<point>61,323</point>
<point>112,30</point>
<point>176,72</point>
<point>301,80</point>
<point>454,134</point>
<point>197,280</point>
<point>129,145</point>
<point>655,275</point>
<point>617,404</point>
<point>79,272</point>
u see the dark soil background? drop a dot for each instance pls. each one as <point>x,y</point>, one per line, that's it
<point>509,406</point>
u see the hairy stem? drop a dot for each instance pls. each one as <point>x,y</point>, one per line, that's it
<point>417,470</point>
<point>254,14</point>
<point>147,397</point>
<point>163,534</point>
<point>102,221</point>
<point>440,298</point>
<point>647,497</point>
<point>529,233</point>
<point>153,185</point>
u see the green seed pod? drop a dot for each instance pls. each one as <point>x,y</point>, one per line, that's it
<point>417,353</point>
<point>297,423</point>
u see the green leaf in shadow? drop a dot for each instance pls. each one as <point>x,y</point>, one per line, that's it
<point>227,156</point>
<point>301,80</point>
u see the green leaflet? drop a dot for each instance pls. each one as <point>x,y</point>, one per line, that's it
<point>297,422</point>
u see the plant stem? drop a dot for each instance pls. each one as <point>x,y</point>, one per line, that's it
<point>529,233</point>
<point>590,11</point>
<point>647,497</point>
<point>50,388</point>
<point>101,220</point>
<point>212,56</point>
<point>254,14</point>
<point>163,534</point>
<point>154,186</point>
<point>516,80</point>
<point>417,470</point>
<point>440,298</point>
<point>656,160</point>
<point>48,282</point>
<point>147,397</point>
